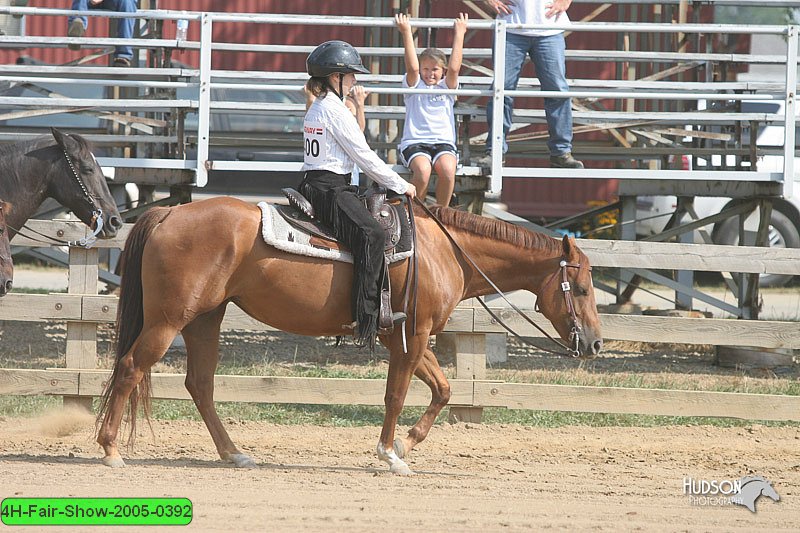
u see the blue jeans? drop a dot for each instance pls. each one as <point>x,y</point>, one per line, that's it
<point>547,54</point>
<point>124,26</point>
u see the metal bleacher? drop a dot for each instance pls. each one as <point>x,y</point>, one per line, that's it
<point>160,140</point>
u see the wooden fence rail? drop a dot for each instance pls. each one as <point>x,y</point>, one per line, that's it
<point>465,393</point>
<point>83,309</point>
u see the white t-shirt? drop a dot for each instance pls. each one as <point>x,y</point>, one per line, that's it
<point>333,141</point>
<point>532,12</point>
<point>429,117</point>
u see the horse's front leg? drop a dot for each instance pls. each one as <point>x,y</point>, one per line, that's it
<point>429,371</point>
<point>401,367</point>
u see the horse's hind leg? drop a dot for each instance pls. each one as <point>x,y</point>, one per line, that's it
<point>149,347</point>
<point>202,352</point>
<point>431,374</point>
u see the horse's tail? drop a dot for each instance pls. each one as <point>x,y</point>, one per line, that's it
<point>130,316</point>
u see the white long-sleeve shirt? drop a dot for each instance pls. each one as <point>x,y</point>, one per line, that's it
<point>333,141</point>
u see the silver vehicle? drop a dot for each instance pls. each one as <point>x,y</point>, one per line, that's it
<point>653,211</point>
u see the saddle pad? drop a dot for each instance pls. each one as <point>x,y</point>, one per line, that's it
<point>277,232</point>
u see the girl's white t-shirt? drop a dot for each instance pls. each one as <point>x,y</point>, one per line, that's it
<point>429,117</point>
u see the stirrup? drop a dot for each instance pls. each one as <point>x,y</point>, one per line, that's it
<point>397,318</point>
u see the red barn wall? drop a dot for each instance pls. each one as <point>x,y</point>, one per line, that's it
<point>527,197</point>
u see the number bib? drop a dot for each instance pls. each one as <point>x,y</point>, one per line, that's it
<point>315,143</point>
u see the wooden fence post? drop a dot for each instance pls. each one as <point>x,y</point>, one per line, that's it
<point>470,364</point>
<point>82,336</point>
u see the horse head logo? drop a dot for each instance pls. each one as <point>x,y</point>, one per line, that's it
<point>752,488</point>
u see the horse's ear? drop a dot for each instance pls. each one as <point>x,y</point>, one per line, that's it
<point>570,248</point>
<point>57,135</point>
<point>66,142</point>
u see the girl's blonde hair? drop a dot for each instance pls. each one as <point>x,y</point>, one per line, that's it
<point>435,54</point>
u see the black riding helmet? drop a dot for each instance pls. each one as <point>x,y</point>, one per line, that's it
<point>334,56</point>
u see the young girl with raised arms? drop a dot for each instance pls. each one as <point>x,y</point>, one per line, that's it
<point>429,134</point>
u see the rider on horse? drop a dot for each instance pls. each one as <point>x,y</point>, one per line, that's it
<point>333,144</point>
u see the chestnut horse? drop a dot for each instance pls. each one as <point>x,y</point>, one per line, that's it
<point>183,265</point>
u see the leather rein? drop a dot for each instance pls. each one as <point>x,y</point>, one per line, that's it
<point>566,288</point>
<point>97,218</point>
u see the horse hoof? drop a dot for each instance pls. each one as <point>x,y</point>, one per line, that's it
<point>399,448</point>
<point>241,460</point>
<point>401,469</point>
<point>113,461</point>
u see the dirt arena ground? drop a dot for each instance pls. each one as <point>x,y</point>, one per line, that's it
<point>469,477</point>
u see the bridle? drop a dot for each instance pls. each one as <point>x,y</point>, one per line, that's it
<point>97,217</point>
<point>566,288</point>
<point>97,212</point>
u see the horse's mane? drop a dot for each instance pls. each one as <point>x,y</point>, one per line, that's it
<point>496,229</point>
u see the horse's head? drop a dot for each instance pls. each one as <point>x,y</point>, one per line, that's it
<point>566,298</point>
<point>79,184</point>
<point>6,262</point>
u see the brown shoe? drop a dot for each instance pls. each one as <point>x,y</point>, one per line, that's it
<point>565,161</point>
<point>122,62</point>
<point>19,3</point>
<point>76,29</point>
<point>486,160</point>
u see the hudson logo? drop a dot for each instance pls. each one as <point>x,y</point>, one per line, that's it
<point>744,491</point>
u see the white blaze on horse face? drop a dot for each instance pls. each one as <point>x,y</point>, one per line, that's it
<point>108,173</point>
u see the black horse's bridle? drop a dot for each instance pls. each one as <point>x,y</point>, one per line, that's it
<point>566,287</point>
<point>97,212</point>
<point>97,217</point>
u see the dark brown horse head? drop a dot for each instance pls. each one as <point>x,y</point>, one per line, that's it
<point>6,263</point>
<point>566,298</point>
<point>81,186</point>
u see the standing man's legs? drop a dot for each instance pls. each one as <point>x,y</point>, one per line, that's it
<point>516,51</point>
<point>76,26</point>
<point>124,25</point>
<point>548,55</point>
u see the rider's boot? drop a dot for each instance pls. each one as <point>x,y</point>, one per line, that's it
<point>387,319</point>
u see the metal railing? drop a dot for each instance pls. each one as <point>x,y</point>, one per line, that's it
<point>205,78</point>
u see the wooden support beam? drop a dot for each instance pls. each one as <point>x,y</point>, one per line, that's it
<point>82,336</point>
<point>470,365</point>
